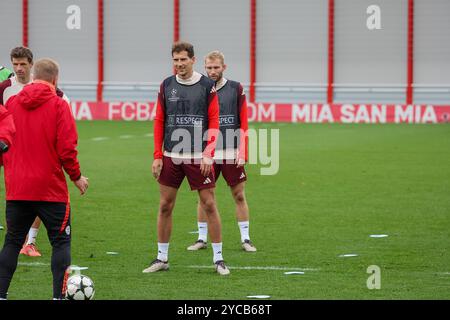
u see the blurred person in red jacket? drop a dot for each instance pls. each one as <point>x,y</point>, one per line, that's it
<point>44,147</point>
<point>7,131</point>
<point>22,62</point>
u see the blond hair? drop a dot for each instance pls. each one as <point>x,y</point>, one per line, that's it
<point>213,55</point>
<point>46,69</point>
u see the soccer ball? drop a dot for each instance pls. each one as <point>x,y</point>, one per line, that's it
<point>80,287</point>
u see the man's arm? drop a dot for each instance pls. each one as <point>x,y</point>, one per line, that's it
<point>213,124</point>
<point>67,141</point>
<point>158,133</point>
<point>213,132</point>
<point>7,127</point>
<point>158,126</point>
<point>66,146</point>
<point>243,143</point>
<point>7,131</point>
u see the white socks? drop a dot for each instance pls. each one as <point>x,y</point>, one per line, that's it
<point>244,227</point>
<point>163,251</point>
<point>32,235</point>
<point>217,250</point>
<point>202,231</point>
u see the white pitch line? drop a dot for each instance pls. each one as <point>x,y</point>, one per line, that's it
<point>126,136</point>
<point>258,268</point>
<point>348,255</point>
<point>33,264</point>
<point>260,296</point>
<point>148,135</point>
<point>99,138</point>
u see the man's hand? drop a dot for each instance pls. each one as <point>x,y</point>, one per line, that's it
<point>157,167</point>
<point>239,162</point>
<point>205,166</point>
<point>82,184</point>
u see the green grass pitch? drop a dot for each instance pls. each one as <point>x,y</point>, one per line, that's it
<point>337,184</point>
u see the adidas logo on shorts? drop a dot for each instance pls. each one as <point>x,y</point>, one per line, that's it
<point>208,180</point>
<point>242,176</point>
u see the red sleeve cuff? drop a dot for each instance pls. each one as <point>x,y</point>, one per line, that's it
<point>75,177</point>
<point>157,155</point>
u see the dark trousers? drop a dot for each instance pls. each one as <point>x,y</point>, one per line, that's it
<point>20,215</point>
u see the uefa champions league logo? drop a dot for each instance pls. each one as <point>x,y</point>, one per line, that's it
<point>173,95</point>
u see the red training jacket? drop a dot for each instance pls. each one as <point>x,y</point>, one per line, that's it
<point>7,128</point>
<point>45,143</point>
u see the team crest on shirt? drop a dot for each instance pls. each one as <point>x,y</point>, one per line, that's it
<point>173,95</point>
<point>68,230</point>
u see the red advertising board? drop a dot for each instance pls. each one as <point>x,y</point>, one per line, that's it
<point>279,112</point>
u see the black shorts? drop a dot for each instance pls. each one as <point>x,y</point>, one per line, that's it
<point>20,216</point>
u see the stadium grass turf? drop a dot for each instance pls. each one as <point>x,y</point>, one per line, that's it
<point>336,185</point>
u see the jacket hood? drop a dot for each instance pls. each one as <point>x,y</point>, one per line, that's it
<point>35,95</point>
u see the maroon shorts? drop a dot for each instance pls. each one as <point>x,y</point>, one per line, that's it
<point>172,174</point>
<point>232,175</point>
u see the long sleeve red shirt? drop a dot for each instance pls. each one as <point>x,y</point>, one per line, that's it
<point>243,143</point>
